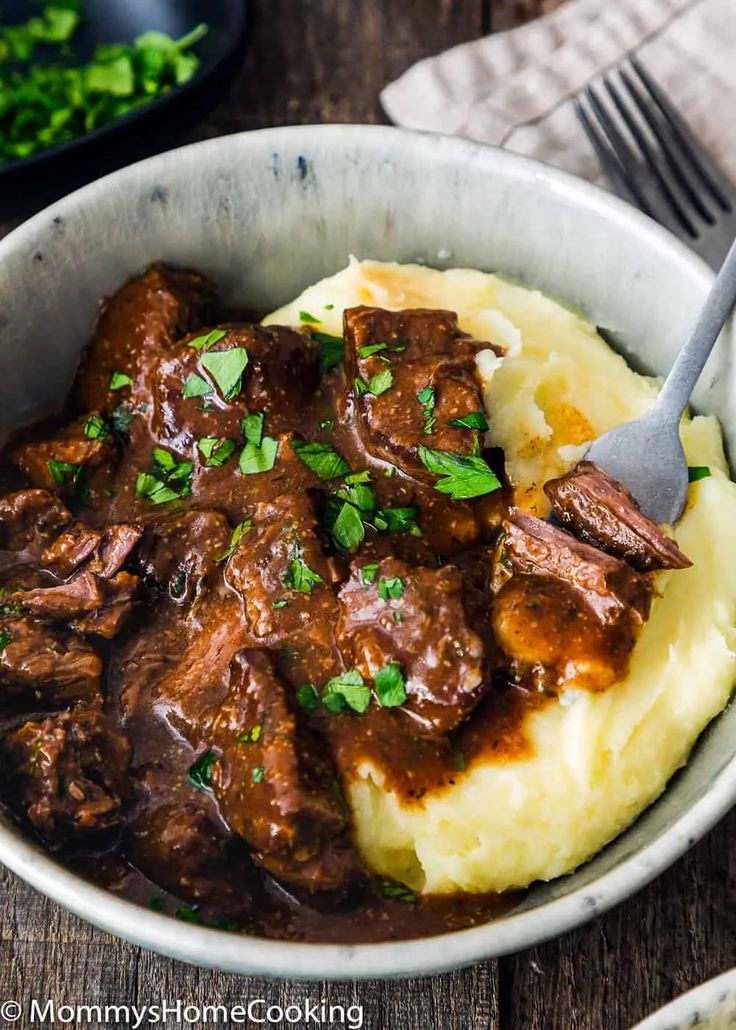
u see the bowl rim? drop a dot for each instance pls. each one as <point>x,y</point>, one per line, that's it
<point>703,1000</point>
<point>240,953</point>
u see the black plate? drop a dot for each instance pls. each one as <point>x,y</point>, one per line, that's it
<point>155,126</point>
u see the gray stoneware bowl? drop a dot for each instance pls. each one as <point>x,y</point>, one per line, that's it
<point>712,1006</point>
<point>266,213</point>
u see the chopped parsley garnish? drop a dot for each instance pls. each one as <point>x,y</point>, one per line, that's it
<point>208,340</point>
<point>122,417</point>
<point>261,457</point>
<point>397,520</point>
<point>200,772</point>
<point>240,530</point>
<point>196,386</point>
<point>156,902</point>
<point>179,586</point>
<point>252,427</point>
<point>328,424</point>
<point>348,690</point>
<point>257,774</point>
<point>119,380</point>
<point>321,458</point>
<point>368,574</point>
<point>696,472</point>
<point>187,915</point>
<point>5,639</point>
<point>474,420</point>
<point>391,588</point>
<point>96,428</point>
<point>304,316</point>
<point>427,399</point>
<point>226,367</point>
<point>216,450</point>
<point>329,307</point>
<point>57,97</point>
<point>463,475</point>
<point>299,576</point>
<point>65,473</point>
<point>251,736</point>
<point>376,385</point>
<point>398,891</point>
<point>307,697</point>
<point>170,479</point>
<point>347,528</point>
<point>377,348</point>
<point>353,507</point>
<point>332,349</point>
<point>390,685</point>
<point>279,604</point>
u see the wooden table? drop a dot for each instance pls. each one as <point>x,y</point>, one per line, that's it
<point>326,60</point>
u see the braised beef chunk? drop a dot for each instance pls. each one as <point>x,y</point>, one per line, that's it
<point>281,572</point>
<point>72,548</point>
<point>137,323</point>
<point>179,847</point>
<point>71,463</point>
<point>183,552</point>
<point>394,613</point>
<point>204,390</point>
<point>414,373</point>
<point>275,784</point>
<point>66,601</point>
<point>30,518</point>
<point>67,774</point>
<point>46,665</point>
<point>602,512</point>
<point>108,618</point>
<point>564,612</point>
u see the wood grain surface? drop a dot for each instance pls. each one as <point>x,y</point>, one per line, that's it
<point>326,60</point>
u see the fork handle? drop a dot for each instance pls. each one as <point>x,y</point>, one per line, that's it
<point>685,372</point>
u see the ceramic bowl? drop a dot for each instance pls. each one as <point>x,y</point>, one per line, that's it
<point>266,213</point>
<point>712,1006</point>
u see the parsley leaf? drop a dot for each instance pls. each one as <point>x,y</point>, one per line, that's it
<point>304,316</point>
<point>196,386</point>
<point>377,384</point>
<point>299,576</point>
<point>251,736</point>
<point>473,420</point>
<point>463,476</point>
<point>307,697</point>
<point>240,530</point>
<point>259,458</point>
<point>321,458</point>
<point>258,774</point>
<point>347,690</point>
<point>347,528</point>
<point>5,639</point>
<point>427,399</point>
<point>696,472</point>
<point>200,772</point>
<point>398,891</point>
<point>216,450</point>
<point>390,685</point>
<point>391,588</point>
<point>119,380</point>
<point>96,428</point>
<point>332,349</point>
<point>65,473</point>
<point>368,574</point>
<point>169,481</point>
<point>252,427</point>
<point>397,520</point>
<point>226,367</point>
<point>122,417</point>
<point>208,340</point>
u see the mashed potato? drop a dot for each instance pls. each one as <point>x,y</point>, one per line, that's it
<point>597,760</point>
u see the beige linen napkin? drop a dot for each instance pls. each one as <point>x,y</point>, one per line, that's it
<point>514,89</point>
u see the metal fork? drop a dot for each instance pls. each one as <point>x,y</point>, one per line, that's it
<point>653,160</point>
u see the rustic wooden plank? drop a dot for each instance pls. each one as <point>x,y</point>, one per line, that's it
<point>507,14</point>
<point>676,933</point>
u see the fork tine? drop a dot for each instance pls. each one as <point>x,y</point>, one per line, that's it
<point>653,159</point>
<point>720,188</point>
<point>628,160</point>
<point>664,135</point>
<point>614,170</point>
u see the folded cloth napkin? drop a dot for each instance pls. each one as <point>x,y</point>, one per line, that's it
<point>515,88</point>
